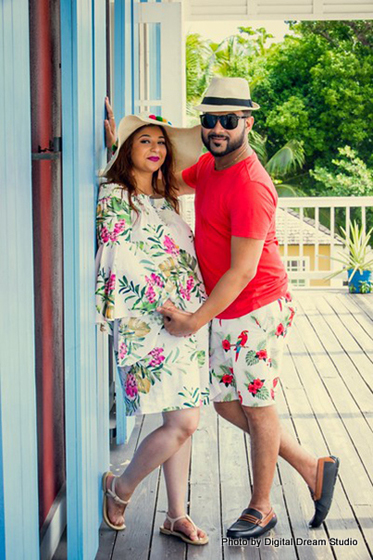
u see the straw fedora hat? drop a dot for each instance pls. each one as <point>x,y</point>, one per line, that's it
<point>186,142</point>
<point>227,94</point>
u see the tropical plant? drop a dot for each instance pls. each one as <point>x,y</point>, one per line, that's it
<point>351,176</point>
<point>282,164</point>
<point>358,256</point>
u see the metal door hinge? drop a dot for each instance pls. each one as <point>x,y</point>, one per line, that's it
<point>52,152</point>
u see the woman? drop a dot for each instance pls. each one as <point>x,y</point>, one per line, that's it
<point>145,258</point>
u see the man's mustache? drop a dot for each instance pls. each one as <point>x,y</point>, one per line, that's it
<point>217,137</point>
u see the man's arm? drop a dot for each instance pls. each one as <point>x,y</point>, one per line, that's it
<point>245,255</point>
<point>182,187</point>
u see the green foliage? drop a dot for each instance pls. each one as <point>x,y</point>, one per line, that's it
<point>349,177</point>
<point>358,255</point>
<point>315,89</point>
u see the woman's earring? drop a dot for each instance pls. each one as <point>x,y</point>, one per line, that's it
<point>160,175</point>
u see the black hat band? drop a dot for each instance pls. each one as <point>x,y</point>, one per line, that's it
<point>227,101</point>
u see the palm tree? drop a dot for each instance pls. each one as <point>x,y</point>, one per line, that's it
<point>198,68</point>
<point>282,164</point>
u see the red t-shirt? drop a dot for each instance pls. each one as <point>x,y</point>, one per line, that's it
<point>239,201</point>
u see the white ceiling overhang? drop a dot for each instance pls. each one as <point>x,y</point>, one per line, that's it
<point>278,9</point>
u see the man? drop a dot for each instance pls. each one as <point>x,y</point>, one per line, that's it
<point>249,303</point>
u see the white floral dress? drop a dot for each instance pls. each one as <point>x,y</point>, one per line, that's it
<point>142,261</point>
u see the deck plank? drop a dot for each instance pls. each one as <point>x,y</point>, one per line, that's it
<point>300,423</point>
<point>357,487</point>
<point>340,520</point>
<point>136,540</point>
<point>234,483</point>
<point>364,301</point>
<point>325,401</point>
<point>205,488</point>
<point>344,380</point>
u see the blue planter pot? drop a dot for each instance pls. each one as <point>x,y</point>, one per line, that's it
<point>361,283</point>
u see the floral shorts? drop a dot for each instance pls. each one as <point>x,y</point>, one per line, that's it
<point>246,353</point>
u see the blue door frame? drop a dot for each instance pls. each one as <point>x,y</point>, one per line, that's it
<point>19,524</point>
<point>83,48</point>
<point>83,40</point>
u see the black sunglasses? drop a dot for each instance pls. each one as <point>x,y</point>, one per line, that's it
<point>229,122</point>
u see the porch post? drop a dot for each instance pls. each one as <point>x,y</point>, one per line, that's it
<point>19,523</point>
<point>123,104</point>
<point>80,76</point>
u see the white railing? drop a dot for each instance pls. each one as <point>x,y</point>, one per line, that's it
<point>308,231</point>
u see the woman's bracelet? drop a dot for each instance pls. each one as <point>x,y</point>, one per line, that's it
<point>114,147</point>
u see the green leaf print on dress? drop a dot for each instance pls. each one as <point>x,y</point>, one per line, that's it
<point>133,331</point>
<point>143,260</point>
<point>192,396</point>
<point>105,286</point>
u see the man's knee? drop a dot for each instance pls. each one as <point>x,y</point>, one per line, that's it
<point>258,414</point>
<point>220,408</point>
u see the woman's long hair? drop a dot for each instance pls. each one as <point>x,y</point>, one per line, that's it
<point>121,172</point>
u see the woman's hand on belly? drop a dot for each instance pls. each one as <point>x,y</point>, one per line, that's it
<point>176,321</point>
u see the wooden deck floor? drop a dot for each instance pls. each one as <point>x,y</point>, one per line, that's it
<point>326,402</point>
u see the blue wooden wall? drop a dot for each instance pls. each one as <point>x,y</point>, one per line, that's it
<point>19,528</point>
<point>83,36</point>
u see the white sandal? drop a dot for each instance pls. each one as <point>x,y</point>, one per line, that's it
<point>179,534</point>
<point>110,493</point>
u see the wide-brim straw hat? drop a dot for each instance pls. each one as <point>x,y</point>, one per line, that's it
<point>186,142</point>
<point>227,94</point>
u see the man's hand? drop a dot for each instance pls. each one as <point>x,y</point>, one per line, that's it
<point>110,127</point>
<point>176,321</point>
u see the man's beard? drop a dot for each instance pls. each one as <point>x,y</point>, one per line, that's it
<point>231,145</point>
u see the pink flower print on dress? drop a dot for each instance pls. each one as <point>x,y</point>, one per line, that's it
<point>122,350</point>
<point>104,235</point>
<point>157,357</point>
<point>150,294</point>
<point>156,280</point>
<point>185,292</point>
<point>131,387</point>
<point>110,284</point>
<point>190,283</point>
<point>118,229</point>
<point>170,246</point>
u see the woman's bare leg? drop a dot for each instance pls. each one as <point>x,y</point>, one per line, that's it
<point>153,451</point>
<point>176,470</point>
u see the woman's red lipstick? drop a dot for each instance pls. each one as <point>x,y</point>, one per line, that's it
<point>154,158</point>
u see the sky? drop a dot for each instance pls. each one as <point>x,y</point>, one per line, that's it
<point>219,30</point>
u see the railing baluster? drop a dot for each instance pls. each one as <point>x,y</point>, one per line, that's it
<point>364,218</point>
<point>348,219</point>
<point>317,220</point>
<point>286,233</point>
<point>332,235</point>
<point>301,248</point>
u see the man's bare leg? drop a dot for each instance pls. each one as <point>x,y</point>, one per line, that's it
<point>290,450</point>
<point>264,428</point>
